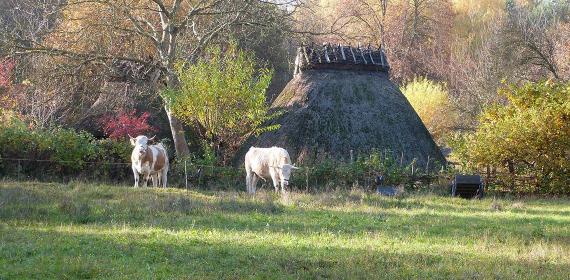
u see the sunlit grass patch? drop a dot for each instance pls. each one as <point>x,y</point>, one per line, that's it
<point>97,231</point>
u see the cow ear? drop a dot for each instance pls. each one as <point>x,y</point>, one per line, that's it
<point>132,140</point>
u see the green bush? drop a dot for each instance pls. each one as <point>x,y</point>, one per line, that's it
<point>346,175</point>
<point>56,152</point>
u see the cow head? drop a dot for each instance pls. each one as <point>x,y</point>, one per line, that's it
<point>141,144</point>
<point>285,171</point>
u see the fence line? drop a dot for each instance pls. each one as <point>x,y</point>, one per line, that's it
<point>102,162</point>
<point>183,173</point>
<point>62,161</point>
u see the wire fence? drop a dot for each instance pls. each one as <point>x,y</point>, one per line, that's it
<point>187,174</point>
<point>182,174</point>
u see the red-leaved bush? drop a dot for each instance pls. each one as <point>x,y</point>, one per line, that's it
<point>6,68</point>
<point>125,123</point>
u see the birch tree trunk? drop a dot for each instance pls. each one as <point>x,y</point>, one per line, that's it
<point>178,137</point>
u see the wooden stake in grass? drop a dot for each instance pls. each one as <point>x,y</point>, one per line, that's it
<point>185,176</point>
<point>307,180</point>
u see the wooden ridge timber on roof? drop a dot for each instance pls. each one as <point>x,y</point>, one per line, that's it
<point>340,57</point>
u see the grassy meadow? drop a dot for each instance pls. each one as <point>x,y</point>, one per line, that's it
<point>81,231</point>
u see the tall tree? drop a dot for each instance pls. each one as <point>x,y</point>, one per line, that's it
<point>224,96</point>
<point>127,35</point>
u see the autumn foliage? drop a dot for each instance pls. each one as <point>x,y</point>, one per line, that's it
<point>125,123</point>
<point>6,68</point>
<point>432,103</point>
<point>528,140</point>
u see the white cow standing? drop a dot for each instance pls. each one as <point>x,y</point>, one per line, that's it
<point>149,161</point>
<point>271,162</point>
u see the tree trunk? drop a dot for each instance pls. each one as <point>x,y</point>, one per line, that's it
<point>176,127</point>
<point>180,144</point>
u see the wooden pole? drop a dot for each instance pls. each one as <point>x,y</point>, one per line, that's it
<point>19,170</point>
<point>185,176</point>
<point>402,159</point>
<point>488,178</point>
<point>307,180</point>
<point>427,165</point>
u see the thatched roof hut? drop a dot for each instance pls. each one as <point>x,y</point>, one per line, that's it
<point>341,99</point>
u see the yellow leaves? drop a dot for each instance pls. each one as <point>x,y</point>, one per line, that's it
<point>529,131</point>
<point>430,100</point>
<point>101,27</point>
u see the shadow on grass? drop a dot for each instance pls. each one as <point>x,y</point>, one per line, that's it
<point>172,210</point>
<point>31,253</point>
<point>175,212</point>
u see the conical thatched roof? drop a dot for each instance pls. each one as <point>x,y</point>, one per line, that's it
<point>333,106</point>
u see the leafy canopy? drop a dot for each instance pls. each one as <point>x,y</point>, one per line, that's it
<point>224,94</point>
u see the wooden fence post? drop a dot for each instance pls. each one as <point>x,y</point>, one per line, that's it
<point>488,177</point>
<point>307,179</point>
<point>19,169</point>
<point>185,176</point>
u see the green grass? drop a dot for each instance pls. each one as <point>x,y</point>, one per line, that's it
<point>78,230</point>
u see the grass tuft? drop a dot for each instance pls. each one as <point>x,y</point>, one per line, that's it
<point>77,211</point>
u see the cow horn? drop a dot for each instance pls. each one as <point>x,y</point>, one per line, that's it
<point>294,167</point>
<point>129,135</point>
<point>151,138</point>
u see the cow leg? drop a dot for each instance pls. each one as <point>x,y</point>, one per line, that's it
<point>136,175</point>
<point>164,177</point>
<point>253,183</point>
<point>153,179</point>
<point>146,177</point>
<point>275,183</point>
<point>274,179</point>
<point>248,181</point>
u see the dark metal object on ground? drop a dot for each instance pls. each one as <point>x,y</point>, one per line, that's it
<point>387,190</point>
<point>467,186</point>
<point>384,190</point>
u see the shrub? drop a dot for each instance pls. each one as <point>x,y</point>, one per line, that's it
<point>528,139</point>
<point>431,101</point>
<point>6,72</point>
<point>361,173</point>
<point>125,123</point>
<point>223,94</point>
<point>58,152</point>
<point>68,147</point>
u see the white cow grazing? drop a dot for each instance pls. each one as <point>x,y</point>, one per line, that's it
<point>149,161</point>
<point>271,162</point>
